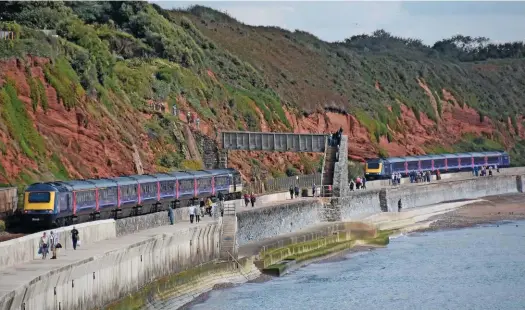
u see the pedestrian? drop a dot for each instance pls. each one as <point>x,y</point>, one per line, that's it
<point>246,199</point>
<point>209,204</point>
<point>364,183</point>
<point>174,109</point>
<point>490,171</point>
<point>170,215</point>
<point>291,192</point>
<point>75,237</point>
<point>393,179</point>
<point>192,213</point>
<point>43,246</point>
<point>352,184</point>
<point>198,215</point>
<point>252,199</point>
<point>296,191</point>
<point>53,243</point>
<point>497,168</point>
<point>197,122</point>
<point>313,190</point>
<point>438,175</point>
<point>188,115</point>
<point>357,183</point>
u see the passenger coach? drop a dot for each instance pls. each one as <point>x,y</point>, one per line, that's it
<point>66,202</point>
<point>383,168</point>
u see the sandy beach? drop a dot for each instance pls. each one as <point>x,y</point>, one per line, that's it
<point>493,209</point>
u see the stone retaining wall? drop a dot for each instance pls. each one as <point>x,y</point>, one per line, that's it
<point>259,224</point>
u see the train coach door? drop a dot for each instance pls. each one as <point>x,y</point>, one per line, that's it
<point>406,167</point>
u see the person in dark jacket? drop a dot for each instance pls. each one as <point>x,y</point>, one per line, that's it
<point>296,191</point>
<point>171,216</point>
<point>74,237</point>
<point>246,199</point>
<point>252,199</point>
<point>291,192</point>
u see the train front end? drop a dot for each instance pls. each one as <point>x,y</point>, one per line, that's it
<point>40,205</point>
<point>374,169</point>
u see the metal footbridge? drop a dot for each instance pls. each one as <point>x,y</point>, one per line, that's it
<point>273,141</point>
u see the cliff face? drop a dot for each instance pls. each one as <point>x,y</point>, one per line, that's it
<point>96,101</point>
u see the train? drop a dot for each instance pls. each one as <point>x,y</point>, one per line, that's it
<point>62,203</point>
<point>378,168</point>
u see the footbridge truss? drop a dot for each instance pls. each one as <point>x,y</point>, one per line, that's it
<point>273,141</point>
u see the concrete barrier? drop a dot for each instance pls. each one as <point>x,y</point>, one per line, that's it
<point>24,249</point>
<point>423,195</point>
<point>96,281</point>
<point>259,224</point>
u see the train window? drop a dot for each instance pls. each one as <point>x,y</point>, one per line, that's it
<point>41,197</point>
<point>372,165</point>
<point>426,164</point>
<point>107,193</point>
<point>167,186</point>
<point>221,181</point>
<point>237,178</point>
<point>148,188</point>
<point>204,182</point>
<point>493,160</point>
<point>479,160</point>
<point>413,165</point>
<point>186,185</point>
<point>86,196</point>
<point>439,163</point>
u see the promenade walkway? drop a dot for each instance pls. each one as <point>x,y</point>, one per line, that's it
<point>19,275</point>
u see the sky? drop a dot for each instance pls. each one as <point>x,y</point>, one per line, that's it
<point>334,21</point>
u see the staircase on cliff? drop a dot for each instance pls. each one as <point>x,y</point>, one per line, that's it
<point>329,167</point>
<point>228,242</point>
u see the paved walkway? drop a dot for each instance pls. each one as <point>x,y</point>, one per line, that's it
<point>16,276</point>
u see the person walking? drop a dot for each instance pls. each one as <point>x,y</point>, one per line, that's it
<point>75,237</point>
<point>296,191</point>
<point>246,199</point>
<point>53,243</point>
<point>209,204</point>
<point>43,246</point>
<point>252,199</point>
<point>313,190</point>
<point>192,213</point>
<point>171,216</point>
<point>364,182</point>
<point>291,192</point>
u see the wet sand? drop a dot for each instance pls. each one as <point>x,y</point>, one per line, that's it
<point>494,209</point>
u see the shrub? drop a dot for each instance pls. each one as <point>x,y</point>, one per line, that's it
<point>2,226</point>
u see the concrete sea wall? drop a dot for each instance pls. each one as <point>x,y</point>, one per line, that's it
<point>417,196</point>
<point>97,281</point>
<point>258,224</point>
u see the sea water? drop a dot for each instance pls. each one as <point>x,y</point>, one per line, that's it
<point>481,267</point>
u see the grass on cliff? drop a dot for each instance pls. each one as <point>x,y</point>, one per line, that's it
<point>20,126</point>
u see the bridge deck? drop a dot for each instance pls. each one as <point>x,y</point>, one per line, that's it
<point>271,141</point>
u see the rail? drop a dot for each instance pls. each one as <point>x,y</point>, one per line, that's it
<point>322,169</point>
<point>238,265</point>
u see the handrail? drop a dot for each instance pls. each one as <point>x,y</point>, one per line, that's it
<point>237,264</point>
<point>324,163</point>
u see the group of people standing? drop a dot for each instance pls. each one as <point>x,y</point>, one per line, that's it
<point>359,183</point>
<point>420,176</point>
<point>484,170</point>
<point>249,199</point>
<point>205,207</point>
<point>334,139</point>
<point>52,242</point>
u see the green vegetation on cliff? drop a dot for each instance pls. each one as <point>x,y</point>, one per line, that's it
<point>127,55</point>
